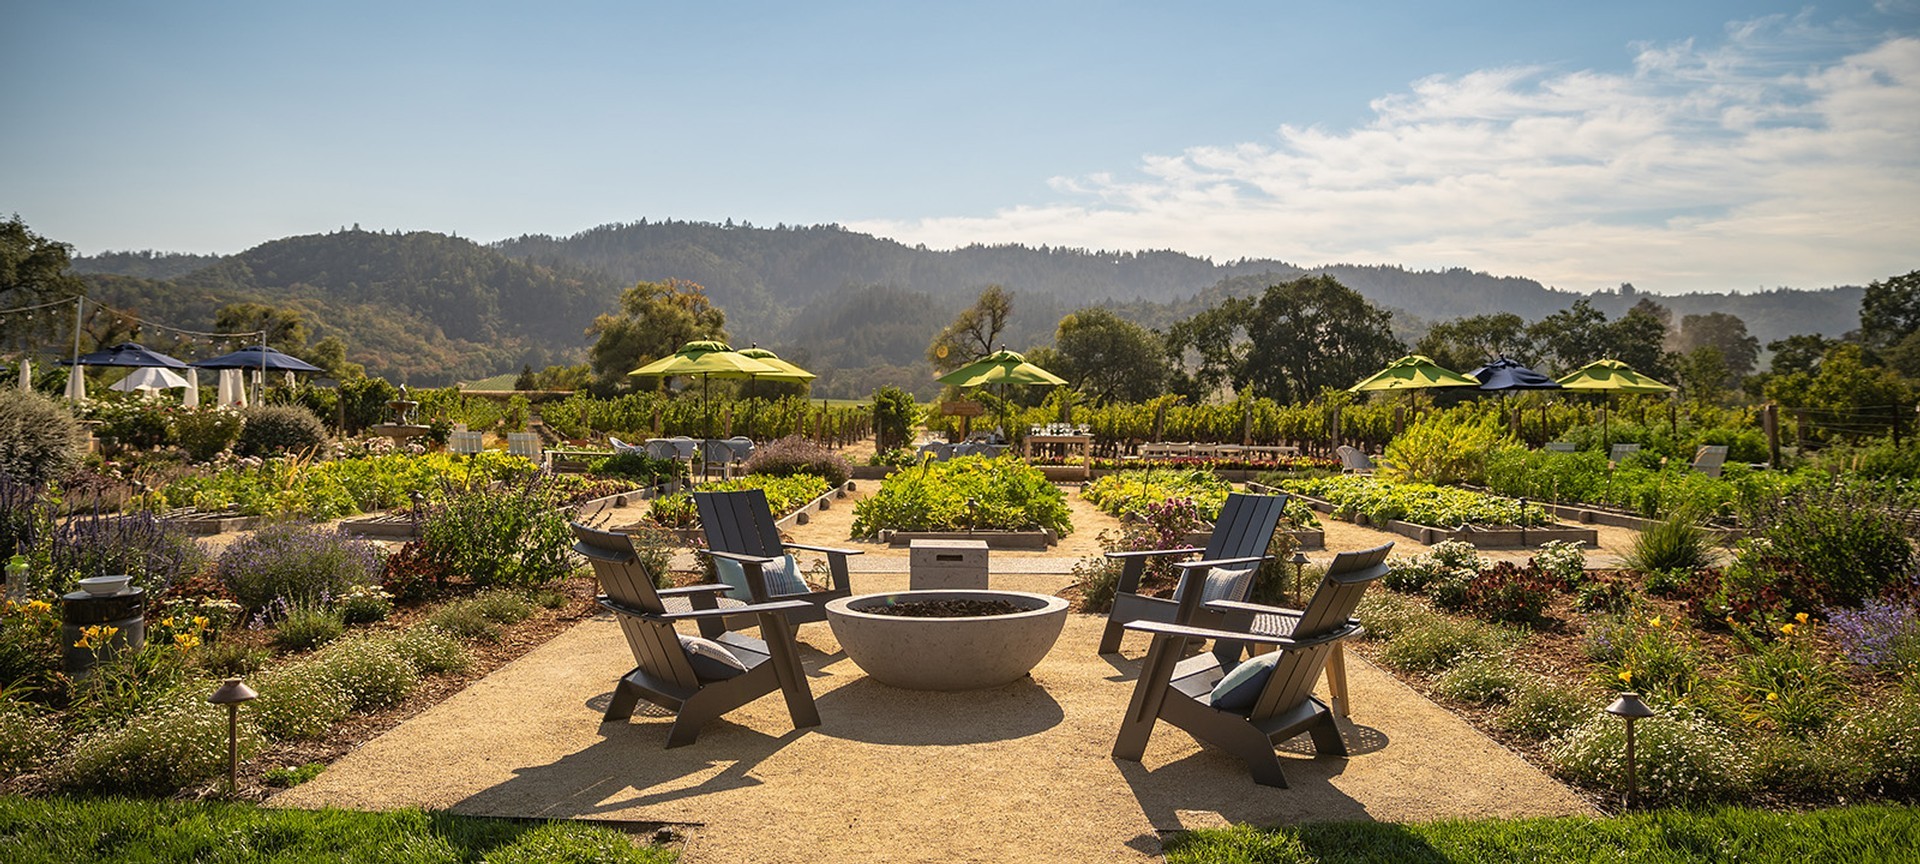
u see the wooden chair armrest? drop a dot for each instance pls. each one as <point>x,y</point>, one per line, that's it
<point>827,549</point>
<point>698,614</point>
<point>707,588</point>
<point>1161,629</point>
<point>1149,553</point>
<point>736,556</point>
<point>1221,562</point>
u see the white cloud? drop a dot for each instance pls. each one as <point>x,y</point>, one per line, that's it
<point>1752,164</point>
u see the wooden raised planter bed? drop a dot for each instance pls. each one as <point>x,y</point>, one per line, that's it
<point>799,516</point>
<point>1491,537</point>
<point>389,525</point>
<point>1030,540</point>
<point>196,522</point>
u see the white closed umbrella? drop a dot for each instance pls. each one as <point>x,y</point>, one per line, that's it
<point>77,385</point>
<point>26,374</point>
<point>150,378</point>
<point>233,389</point>
<point>191,398</point>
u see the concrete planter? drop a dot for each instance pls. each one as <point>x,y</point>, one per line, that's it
<point>947,653</point>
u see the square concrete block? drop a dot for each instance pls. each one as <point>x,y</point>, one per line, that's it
<point>947,564</point>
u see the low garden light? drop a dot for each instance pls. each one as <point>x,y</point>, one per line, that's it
<point>1629,707</point>
<point>231,693</point>
<point>1299,562</point>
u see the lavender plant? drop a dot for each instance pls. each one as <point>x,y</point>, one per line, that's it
<point>298,564</point>
<point>1883,635</point>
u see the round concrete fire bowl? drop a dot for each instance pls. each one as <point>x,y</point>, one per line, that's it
<point>947,653</point>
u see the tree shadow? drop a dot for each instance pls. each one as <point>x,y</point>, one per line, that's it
<point>868,711</point>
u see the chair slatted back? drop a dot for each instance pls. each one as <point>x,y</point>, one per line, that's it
<point>1354,460</point>
<point>1340,590</point>
<point>1710,458</point>
<point>739,522</point>
<point>524,444</point>
<point>1297,669</point>
<point>1622,451</point>
<point>656,647</point>
<point>1245,526</point>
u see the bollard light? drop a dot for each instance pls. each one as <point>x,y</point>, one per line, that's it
<point>1629,707</point>
<point>1299,562</point>
<point>231,693</point>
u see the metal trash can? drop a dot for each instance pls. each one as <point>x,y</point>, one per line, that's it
<point>125,611</point>
<point>947,564</point>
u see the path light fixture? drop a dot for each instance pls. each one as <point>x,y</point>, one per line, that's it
<point>973,504</point>
<point>1299,562</point>
<point>1630,707</point>
<point>231,693</point>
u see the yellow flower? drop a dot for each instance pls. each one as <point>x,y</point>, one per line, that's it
<point>1773,697</point>
<point>1655,620</point>
<point>39,606</point>
<point>186,641</point>
<point>1802,617</point>
<point>167,621</point>
<point>199,622</point>
<point>1626,676</point>
<point>1786,629</point>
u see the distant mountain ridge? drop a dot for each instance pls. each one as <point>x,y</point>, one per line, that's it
<point>859,309</point>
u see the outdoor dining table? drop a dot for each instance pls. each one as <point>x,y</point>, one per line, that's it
<point>1069,448</point>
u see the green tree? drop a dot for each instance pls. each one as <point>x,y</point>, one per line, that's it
<point>974,332</point>
<point>330,354</point>
<point>286,329</point>
<point>1703,373</point>
<point>1109,357</point>
<point>1462,344</point>
<point>1312,333</point>
<point>1639,337</point>
<point>1726,332</point>
<point>1846,395</point>
<point>1571,337</point>
<point>1890,310</point>
<point>1799,353</point>
<point>1209,350</point>
<point>654,320</point>
<point>34,270</point>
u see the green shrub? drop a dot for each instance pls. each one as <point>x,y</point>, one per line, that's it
<point>893,418</point>
<point>638,467</point>
<point>1097,577</point>
<point>1509,593</point>
<point>299,702</point>
<point>126,683</point>
<point>293,775</point>
<point>1386,616</point>
<point>1479,681</point>
<point>308,626</point>
<point>1847,538</point>
<point>371,672</point>
<point>207,432</point>
<point>28,738</point>
<point>513,536</point>
<point>39,439</point>
<point>132,422</point>
<point>274,430</point>
<point>792,455</point>
<point>1785,684</point>
<point>1564,561</point>
<point>1656,656</point>
<point>229,659</point>
<point>462,618</point>
<point>1441,644</point>
<point>432,650</point>
<point>1681,758</point>
<point>296,564</point>
<point>1673,543</point>
<point>505,607</point>
<point>1448,561</point>
<point>1538,709</point>
<point>1443,449</point>
<point>29,642</point>
<point>1881,736</point>
<point>177,743</point>
<point>1006,494</point>
<point>364,604</point>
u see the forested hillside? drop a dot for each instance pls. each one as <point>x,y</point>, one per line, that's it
<point>859,310</point>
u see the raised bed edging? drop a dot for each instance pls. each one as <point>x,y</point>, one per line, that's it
<point>1481,538</point>
<point>205,524</point>
<point>1029,540</point>
<point>824,502</point>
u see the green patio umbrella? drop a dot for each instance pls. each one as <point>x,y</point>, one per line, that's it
<point>1002,367</point>
<point>707,359</point>
<point>789,371</point>
<point>1610,377</point>
<point>1414,372</point>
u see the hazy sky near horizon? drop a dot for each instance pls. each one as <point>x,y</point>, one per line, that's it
<point>1706,145</point>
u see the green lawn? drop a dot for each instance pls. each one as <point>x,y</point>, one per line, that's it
<point>1875,833</point>
<point>76,831</point>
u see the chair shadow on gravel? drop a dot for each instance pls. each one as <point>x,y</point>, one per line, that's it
<point>630,767</point>
<point>1213,781</point>
<point>871,712</point>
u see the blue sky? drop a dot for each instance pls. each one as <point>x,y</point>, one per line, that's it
<point>1679,146</point>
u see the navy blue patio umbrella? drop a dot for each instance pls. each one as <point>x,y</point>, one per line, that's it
<point>260,358</point>
<point>125,354</point>
<point>1504,374</point>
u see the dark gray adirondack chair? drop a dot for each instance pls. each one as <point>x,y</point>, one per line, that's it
<point>1240,538</point>
<point>1180,691</point>
<point>665,674</point>
<point>739,526</point>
